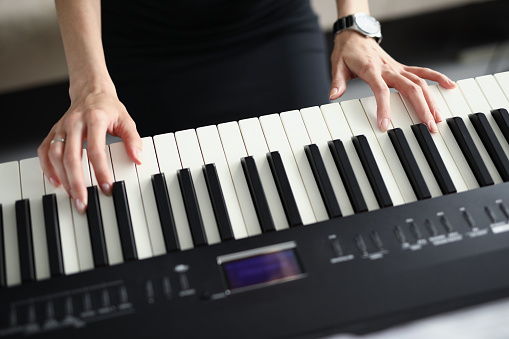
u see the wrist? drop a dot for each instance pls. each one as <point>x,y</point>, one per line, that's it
<point>91,84</point>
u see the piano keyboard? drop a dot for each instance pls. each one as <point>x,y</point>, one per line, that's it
<point>218,184</point>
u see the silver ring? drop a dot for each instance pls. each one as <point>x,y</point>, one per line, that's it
<point>57,140</point>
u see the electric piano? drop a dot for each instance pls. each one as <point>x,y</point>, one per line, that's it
<point>299,224</point>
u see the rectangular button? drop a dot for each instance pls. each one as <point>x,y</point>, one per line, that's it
<point>32,188</point>
<point>256,189</point>
<point>214,152</point>
<point>218,202</point>
<point>96,230</point>
<point>501,116</point>
<point>370,167</point>
<point>256,146</point>
<point>165,212</point>
<point>470,151</point>
<point>277,141</point>
<point>52,226</point>
<point>340,130</point>
<point>125,227</point>
<point>25,242</point>
<point>3,276</point>
<point>347,174</point>
<point>490,141</point>
<point>192,209</point>
<point>169,163</point>
<point>284,188</point>
<point>322,181</point>
<point>410,166</point>
<point>10,192</point>
<point>433,157</point>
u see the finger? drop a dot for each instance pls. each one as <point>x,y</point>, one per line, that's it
<point>413,92</point>
<point>432,75</point>
<point>96,149</point>
<point>126,130</point>
<point>73,167</point>
<point>338,85</point>
<point>382,97</point>
<point>433,107</point>
<point>47,167</point>
<point>56,153</point>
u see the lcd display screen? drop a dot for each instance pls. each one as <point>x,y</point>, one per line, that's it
<point>262,269</point>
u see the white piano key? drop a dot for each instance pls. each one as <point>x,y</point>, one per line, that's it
<point>169,164</point>
<point>32,187</point>
<point>397,170</point>
<point>339,129</point>
<point>478,103</point>
<point>191,157</point>
<point>67,232</point>
<point>298,138</point>
<point>277,141</point>
<point>256,146</point>
<point>493,92</point>
<point>400,118</point>
<point>503,82</point>
<point>446,151</point>
<point>319,135</point>
<point>125,169</point>
<point>213,153</point>
<point>10,192</point>
<point>111,234</point>
<point>359,124</point>
<point>81,231</point>
<point>148,167</point>
<point>459,107</point>
<point>234,149</point>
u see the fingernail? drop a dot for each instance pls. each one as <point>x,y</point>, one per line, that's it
<point>53,182</point>
<point>139,155</point>
<point>432,126</point>
<point>438,116</point>
<point>384,124</point>
<point>333,92</point>
<point>106,188</point>
<point>79,205</point>
<point>452,83</point>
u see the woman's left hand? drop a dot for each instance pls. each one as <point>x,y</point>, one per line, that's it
<point>355,56</point>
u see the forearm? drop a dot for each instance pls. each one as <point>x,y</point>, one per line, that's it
<point>80,26</point>
<point>347,7</point>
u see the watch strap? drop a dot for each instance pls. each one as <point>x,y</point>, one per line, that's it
<point>343,23</point>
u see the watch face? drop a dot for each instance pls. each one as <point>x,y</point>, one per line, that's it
<point>368,24</point>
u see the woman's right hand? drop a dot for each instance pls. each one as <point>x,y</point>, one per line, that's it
<point>94,111</point>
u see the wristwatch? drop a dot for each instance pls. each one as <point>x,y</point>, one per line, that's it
<point>360,22</point>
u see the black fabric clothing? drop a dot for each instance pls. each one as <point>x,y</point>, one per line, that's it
<point>188,63</point>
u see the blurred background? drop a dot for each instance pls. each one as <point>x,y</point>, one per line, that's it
<point>461,38</point>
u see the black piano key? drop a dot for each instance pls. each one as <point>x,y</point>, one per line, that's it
<point>347,176</point>
<point>502,118</point>
<point>322,180</point>
<point>125,226</point>
<point>372,171</point>
<point>25,241</point>
<point>52,226</point>
<point>165,212</point>
<point>434,159</point>
<point>409,164</point>
<point>218,203</point>
<point>491,143</point>
<point>96,229</point>
<point>192,208</point>
<point>284,189</point>
<point>470,151</point>
<point>3,276</point>
<point>257,194</point>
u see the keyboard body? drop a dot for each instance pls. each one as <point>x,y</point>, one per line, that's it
<point>358,292</point>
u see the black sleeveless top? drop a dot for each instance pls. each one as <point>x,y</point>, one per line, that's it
<point>188,63</point>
